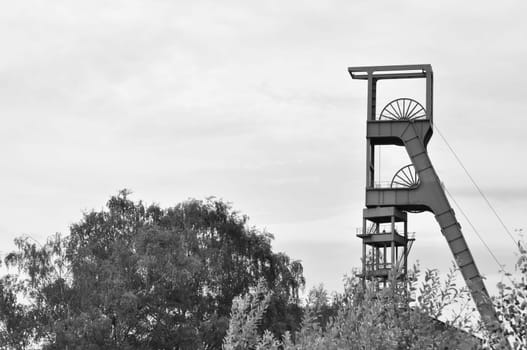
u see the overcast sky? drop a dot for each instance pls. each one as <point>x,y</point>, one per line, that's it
<point>250,101</point>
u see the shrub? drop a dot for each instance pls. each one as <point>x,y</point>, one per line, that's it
<point>364,318</point>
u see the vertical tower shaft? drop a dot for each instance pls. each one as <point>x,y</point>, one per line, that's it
<point>415,188</point>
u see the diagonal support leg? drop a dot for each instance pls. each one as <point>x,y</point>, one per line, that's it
<point>431,194</point>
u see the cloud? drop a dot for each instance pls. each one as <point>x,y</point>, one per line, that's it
<point>250,101</point>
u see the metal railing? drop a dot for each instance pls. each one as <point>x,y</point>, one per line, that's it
<point>372,231</point>
<point>387,184</point>
<point>380,266</point>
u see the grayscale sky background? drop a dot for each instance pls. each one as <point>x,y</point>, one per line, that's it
<point>250,101</point>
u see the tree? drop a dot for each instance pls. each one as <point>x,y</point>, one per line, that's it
<point>16,326</point>
<point>36,295</point>
<point>143,277</point>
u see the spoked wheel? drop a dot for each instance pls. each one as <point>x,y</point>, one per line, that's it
<point>406,177</point>
<point>403,109</point>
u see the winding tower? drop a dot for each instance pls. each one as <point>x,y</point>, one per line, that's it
<point>414,188</point>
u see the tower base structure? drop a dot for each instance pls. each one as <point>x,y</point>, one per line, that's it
<point>385,246</point>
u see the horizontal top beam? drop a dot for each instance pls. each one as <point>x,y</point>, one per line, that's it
<point>390,72</point>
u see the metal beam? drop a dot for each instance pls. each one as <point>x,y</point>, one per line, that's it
<point>389,76</point>
<point>419,71</point>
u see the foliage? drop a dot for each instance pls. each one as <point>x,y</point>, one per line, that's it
<point>511,303</point>
<point>43,286</point>
<point>365,319</point>
<point>16,327</point>
<point>246,316</point>
<point>143,277</point>
<point>196,276</point>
